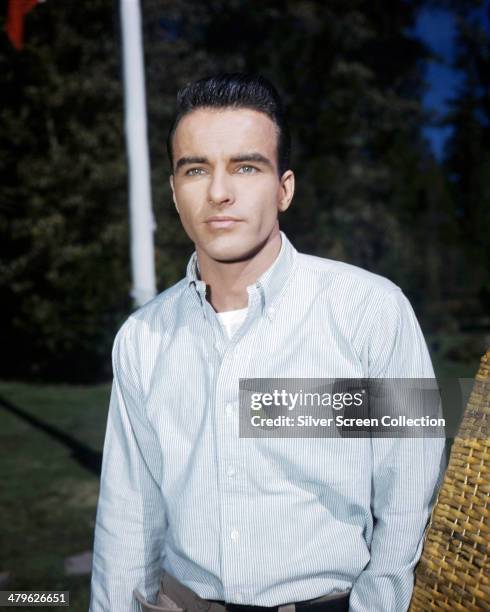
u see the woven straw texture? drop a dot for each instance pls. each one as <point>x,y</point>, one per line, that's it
<point>454,570</point>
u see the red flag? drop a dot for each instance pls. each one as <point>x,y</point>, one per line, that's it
<point>17,10</point>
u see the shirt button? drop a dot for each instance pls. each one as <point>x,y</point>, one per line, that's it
<point>230,471</point>
<point>238,596</point>
<point>229,409</point>
<point>234,535</point>
<point>271,311</point>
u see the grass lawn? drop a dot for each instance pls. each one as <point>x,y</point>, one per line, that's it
<point>49,485</point>
<point>48,496</point>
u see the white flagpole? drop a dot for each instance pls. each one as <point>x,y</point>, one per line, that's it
<point>142,223</point>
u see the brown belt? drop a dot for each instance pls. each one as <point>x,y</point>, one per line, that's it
<point>173,596</point>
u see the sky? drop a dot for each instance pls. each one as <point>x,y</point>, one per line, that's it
<point>437,28</point>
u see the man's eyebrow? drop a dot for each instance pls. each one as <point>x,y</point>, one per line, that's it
<point>252,157</point>
<point>184,161</point>
<point>242,157</point>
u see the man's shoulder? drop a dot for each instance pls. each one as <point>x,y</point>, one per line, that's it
<point>349,276</point>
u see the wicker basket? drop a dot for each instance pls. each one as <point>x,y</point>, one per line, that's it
<point>454,569</point>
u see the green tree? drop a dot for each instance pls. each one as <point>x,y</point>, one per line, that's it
<point>468,149</point>
<point>63,230</point>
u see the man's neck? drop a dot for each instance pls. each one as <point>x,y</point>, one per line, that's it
<point>227,282</point>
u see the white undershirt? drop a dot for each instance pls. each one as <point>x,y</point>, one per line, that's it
<point>232,319</point>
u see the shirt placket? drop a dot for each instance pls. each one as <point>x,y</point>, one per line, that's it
<point>231,474</point>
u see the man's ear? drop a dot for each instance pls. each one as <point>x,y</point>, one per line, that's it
<point>173,192</point>
<point>286,192</point>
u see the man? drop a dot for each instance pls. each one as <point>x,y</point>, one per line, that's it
<point>313,524</point>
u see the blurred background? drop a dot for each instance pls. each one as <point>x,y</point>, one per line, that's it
<point>389,109</point>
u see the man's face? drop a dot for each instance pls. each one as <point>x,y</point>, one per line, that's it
<point>225,184</point>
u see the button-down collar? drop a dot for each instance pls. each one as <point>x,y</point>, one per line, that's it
<point>270,285</point>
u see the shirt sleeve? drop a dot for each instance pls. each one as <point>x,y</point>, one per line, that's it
<point>130,522</point>
<point>406,472</point>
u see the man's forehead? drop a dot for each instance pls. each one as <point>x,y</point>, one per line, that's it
<point>226,132</point>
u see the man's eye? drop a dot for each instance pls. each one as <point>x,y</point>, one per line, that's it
<point>247,170</point>
<point>194,171</point>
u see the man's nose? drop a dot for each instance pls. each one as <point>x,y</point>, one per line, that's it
<point>220,189</point>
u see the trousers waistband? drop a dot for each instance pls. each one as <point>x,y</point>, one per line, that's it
<point>336,603</point>
<point>173,596</point>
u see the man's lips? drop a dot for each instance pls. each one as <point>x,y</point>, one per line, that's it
<point>219,221</point>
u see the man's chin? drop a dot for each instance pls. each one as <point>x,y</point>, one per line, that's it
<point>233,253</point>
<point>233,250</point>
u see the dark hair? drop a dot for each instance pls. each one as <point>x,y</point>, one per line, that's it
<point>235,90</point>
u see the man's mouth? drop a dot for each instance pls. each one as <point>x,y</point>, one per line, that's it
<point>221,221</point>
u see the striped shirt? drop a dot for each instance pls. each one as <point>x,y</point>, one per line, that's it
<point>260,521</point>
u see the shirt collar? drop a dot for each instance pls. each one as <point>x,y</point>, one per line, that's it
<point>270,284</point>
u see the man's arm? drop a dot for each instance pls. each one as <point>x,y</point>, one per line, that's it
<point>405,471</point>
<point>130,524</point>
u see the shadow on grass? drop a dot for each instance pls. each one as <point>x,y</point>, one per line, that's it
<point>88,458</point>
